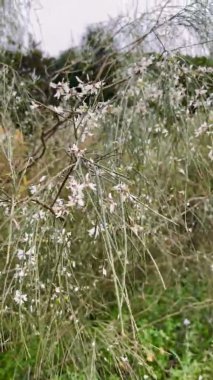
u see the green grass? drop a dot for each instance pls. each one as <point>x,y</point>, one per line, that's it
<point>174,337</point>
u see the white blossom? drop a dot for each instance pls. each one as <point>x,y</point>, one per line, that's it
<point>202,129</point>
<point>88,184</point>
<point>20,272</point>
<point>20,298</point>
<point>186,322</point>
<point>210,155</point>
<point>123,189</point>
<point>95,231</point>
<point>34,105</point>
<point>33,189</point>
<point>112,204</point>
<point>62,90</point>
<point>21,254</point>
<point>40,215</point>
<point>76,151</point>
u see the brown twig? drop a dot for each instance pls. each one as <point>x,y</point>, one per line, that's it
<point>44,205</point>
<point>64,182</point>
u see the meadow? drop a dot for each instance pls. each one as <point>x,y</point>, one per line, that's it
<point>106,216</point>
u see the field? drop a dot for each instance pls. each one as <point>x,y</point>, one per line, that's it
<point>106,225</point>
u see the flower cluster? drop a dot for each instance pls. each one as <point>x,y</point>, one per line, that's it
<point>77,190</point>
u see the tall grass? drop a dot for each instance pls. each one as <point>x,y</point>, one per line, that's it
<point>106,226</point>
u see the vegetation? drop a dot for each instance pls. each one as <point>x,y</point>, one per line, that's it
<point>106,215</point>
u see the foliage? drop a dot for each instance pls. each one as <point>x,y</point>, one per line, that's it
<point>106,219</point>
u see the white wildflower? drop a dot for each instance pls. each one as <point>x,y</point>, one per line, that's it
<point>210,155</point>
<point>34,105</point>
<point>76,151</point>
<point>77,196</point>
<point>59,208</point>
<point>42,179</point>
<point>20,298</point>
<point>123,189</point>
<point>112,204</point>
<point>89,88</point>
<point>20,272</point>
<point>76,200</point>
<point>186,322</point>
<point>21,254</point>
<point>40,215</point>
<point>200,92</point>
<point>88,184</point>
<point>33,189</point>
<point>62,90</point>
<point>53,85</point>
<point>31,255</point>
<point>95,231</point>
<point>27,237</point>
<point>124,359</point>
<point>202,129</point>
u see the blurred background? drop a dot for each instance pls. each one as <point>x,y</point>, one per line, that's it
<point>55,26</point>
